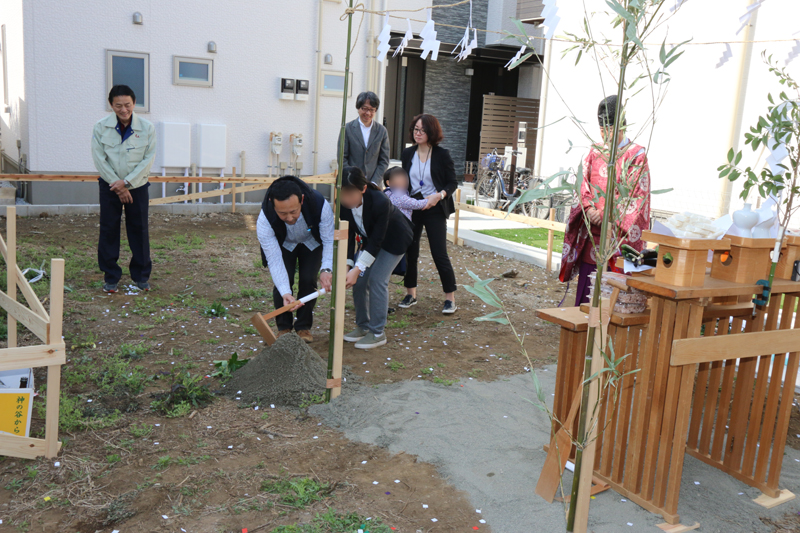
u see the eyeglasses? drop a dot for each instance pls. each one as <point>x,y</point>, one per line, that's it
<point>368,110</point>
<point>419,130</point>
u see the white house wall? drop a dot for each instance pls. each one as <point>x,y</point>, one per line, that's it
<point>13,124</point>
<point>691,137</point>
<point>257,43</point>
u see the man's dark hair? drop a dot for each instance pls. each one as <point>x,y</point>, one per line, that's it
<point>120,90</point>
<point>282,189</point>
<point>607,112</point>
<point>368,96</point>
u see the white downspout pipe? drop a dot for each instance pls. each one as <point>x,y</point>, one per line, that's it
<point>380,91</point>
<point>740,96</point>
<point>548,53</point>
<point>370,79</point>
<point>317,87</point>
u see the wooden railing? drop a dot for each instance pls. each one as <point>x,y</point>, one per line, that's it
<point>245,184</point>
<point>550,225</point>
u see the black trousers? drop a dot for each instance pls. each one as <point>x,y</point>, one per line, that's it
<point>136,227</point>
<point>307,264</point>
<point>434,223</point>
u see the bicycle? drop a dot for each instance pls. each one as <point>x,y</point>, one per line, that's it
<point>490,189</point>
<point>561,201</point>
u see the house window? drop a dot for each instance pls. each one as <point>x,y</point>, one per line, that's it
<point>5,63</point>
<point>333,83</point>
<point>192,71</point>
<point>131,69</point>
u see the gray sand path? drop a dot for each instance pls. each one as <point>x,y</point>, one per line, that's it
<point>487,439</point>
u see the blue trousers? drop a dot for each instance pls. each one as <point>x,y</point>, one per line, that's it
<point>111,209</point>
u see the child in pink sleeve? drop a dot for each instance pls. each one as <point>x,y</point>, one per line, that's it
<point>396,182</point>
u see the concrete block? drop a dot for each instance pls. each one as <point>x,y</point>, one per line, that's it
<point>73,210</point>
<point>185,209</point>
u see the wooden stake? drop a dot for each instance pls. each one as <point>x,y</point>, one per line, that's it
<point>11,262</point>
<point>233,192</point>
<point>54,371</point>
<point>338,323</point>
<point>585,482</point>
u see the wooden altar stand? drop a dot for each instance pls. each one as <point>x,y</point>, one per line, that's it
<point>698,390</point>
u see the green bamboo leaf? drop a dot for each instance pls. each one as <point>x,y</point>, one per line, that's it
<point>621,11</point>
<point>662,191</point>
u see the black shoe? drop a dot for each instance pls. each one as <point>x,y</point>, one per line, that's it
<point>407,302</point>
<point>143,285</point>
<point>449,308</point>
<point>110,287</point>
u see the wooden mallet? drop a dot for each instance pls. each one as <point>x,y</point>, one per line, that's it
<point>260,321</point>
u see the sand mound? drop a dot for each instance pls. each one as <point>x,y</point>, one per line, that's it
<point>283,374</point>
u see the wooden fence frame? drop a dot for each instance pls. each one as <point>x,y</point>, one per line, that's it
<point>550,225</point>
<point>246,184</point>
<point>51,354</point>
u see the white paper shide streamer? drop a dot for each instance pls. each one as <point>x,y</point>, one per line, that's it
<point>467,45</point>
<point>726,55</point>
<point>383,42</point>
<point>516,57</point>
<point>551,19</point>
<point>430,45</point>
<point>406,39</point>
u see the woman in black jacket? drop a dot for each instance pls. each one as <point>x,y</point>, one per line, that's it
<point>384,235</point>
<point>433,177</point>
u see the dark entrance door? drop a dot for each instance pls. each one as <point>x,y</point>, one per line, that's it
<point>405,92</point>
<point>489,78</point>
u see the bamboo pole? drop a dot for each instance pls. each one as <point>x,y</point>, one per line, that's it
<point>337,203</point>
<point>550,241</point>
<point>586,415</point>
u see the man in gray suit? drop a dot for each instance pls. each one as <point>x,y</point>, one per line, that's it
<point>366,143</point>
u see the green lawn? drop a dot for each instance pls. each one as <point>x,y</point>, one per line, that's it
<point>536,237</point>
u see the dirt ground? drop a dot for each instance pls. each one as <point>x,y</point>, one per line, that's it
<point>132,461</point>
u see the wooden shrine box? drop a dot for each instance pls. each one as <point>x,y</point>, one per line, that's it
<point>747,261</point>
<point>689,257</point>
<point>789,255</point>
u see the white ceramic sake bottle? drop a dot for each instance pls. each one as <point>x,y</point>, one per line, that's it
<point>745,219</point>
<point>764,229</point>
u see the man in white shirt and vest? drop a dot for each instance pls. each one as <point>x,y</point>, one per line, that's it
<point>123,149</point>
<point>295,230</point>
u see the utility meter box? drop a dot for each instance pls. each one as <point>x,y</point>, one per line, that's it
<point>276,142</point>
<point>16,401</point>
<point>301,90</point>
<point>211,146</point>
<point>287,88</point>
<point>297,144</point>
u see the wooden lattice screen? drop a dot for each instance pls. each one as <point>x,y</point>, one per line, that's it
<point>500,113</point>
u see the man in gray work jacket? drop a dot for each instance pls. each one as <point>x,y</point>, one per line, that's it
<point>123,149</point>
<point>366,143</point>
